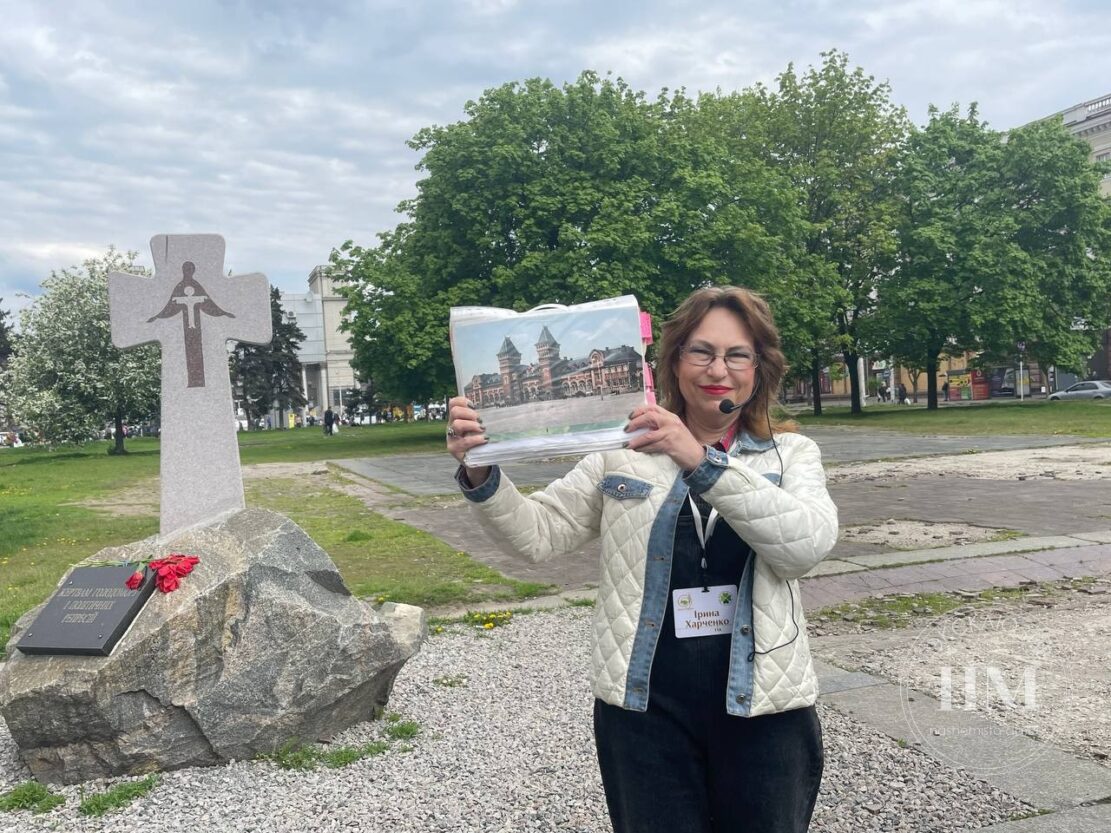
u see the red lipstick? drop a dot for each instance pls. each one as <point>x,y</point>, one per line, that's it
<point>715,390</point>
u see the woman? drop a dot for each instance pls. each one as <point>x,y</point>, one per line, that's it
<point>704,714</point>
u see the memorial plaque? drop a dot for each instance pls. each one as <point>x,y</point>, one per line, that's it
<point>88,614</point>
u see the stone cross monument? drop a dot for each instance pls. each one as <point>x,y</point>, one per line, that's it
<point>192,309</point>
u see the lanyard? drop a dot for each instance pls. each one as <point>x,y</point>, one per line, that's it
<point>703,537</point>
<point>712,520</point>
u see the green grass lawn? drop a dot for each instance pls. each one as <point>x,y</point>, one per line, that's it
<point>43,530</point>
<point>1035,416</point>
<point>382,558</point>
<point>304,444</point>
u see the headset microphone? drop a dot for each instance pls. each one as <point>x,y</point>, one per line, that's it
<point>726,406</point>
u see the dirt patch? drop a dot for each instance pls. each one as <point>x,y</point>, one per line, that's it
<point>318,477</point>
<point>1065,462</point>
<point>140,500</point>
<point>919,535</point>
<point>143,498</point>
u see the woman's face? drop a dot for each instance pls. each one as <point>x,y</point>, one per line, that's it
<point>703,389</point>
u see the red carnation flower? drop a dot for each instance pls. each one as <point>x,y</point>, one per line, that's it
<point>167,583</point>
<point>168,571</point>
<point>183,568</point>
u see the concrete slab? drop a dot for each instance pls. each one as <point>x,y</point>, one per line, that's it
<point>832,679</point>
<point>891,559</point>
<point>1035,772</point>
<point>842,444</point>
<point>1098,537</point>
<point>832,567</point>
<point>1032,507</point>
<point>1095,819</point>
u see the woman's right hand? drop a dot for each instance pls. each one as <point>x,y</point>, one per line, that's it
<point>464,432</point>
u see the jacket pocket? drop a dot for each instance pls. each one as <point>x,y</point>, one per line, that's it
<point>624,488</point>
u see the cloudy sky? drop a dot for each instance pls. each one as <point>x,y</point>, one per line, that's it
<point>281,124</point>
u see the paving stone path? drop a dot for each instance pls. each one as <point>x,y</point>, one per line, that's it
<point>1031,507</point>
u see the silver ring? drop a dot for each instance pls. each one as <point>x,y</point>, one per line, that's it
<point>450,431</point>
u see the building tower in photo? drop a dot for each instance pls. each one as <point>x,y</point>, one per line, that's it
<point>547,351</point>
<point>509,368</point>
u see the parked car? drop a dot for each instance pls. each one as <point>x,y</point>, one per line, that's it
<point>1097,389</point>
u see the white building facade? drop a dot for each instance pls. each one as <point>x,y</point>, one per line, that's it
<point>1091,121</point>
<point>325,354</point>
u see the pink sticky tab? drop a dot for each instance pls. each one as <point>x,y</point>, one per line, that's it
<point>646,327</point>
<point>649,385</point>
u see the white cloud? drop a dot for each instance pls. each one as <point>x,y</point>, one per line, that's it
<point>282,125</point>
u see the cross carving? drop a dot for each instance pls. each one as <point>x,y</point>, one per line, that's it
<point>192,310</point>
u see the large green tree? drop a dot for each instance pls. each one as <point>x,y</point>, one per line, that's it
<point>838,137</point>
<point>742,126</point>
<point>1058,301</point>
<point>549,194</point>
<point>65,379</point>
<point>1000,242</point>
<point>955,244</point>
<point>269,375</point>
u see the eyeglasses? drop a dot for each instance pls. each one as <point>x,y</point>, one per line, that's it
<point>734,359</point>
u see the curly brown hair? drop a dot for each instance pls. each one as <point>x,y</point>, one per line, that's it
<point>754,313</point>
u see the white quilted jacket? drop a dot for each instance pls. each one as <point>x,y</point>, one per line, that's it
<point>632,500</point>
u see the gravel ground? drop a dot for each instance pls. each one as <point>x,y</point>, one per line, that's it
<point>1062,640</point>
<point>508,747</point>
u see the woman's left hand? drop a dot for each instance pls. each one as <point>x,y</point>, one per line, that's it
<point>666,434</point>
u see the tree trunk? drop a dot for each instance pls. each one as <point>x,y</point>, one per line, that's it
<point>914,374</point>
<point>118,448</point>
<point>854,382</point>
<point>816,382</point>
<point>931,379</point>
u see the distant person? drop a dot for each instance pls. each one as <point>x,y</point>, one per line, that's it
<point>903,394</point>
<point>329,421</point>
<point>945,389</point>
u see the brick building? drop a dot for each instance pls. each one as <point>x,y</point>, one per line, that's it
<point>604,370</point>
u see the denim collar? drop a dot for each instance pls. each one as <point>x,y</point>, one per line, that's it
<point>747,442</point>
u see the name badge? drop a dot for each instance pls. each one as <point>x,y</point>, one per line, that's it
<point>704,611</point>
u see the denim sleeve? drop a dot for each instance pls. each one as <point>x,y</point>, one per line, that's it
<point>478,494</point>
<point>703,477</point>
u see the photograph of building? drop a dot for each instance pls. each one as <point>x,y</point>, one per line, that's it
<point>603,371</point>
<point>551,373</point>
